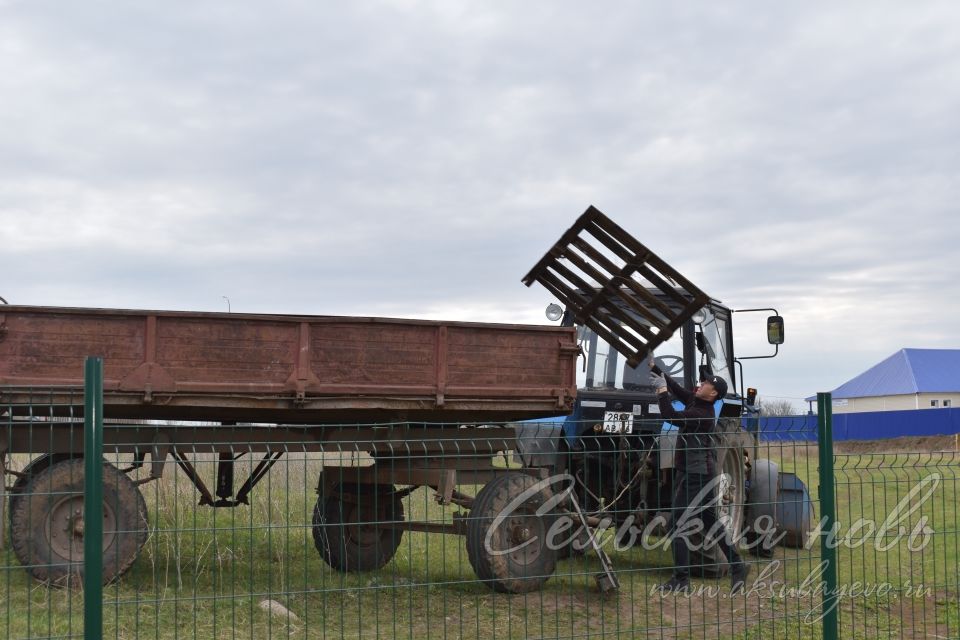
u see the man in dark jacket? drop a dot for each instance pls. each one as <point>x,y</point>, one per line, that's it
<point>695,478</point>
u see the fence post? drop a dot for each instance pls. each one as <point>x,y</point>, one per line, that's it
<point>93,499</point>
<point>828,511</point>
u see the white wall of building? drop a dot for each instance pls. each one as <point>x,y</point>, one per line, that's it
<point>896,403</point>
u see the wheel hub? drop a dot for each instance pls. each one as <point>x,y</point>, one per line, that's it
<point>726,488</point>
<point>363,530</point>
<point>522,535</point>
<point>75,524</point>
<point>65,527</point>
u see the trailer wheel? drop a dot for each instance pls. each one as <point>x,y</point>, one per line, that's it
<point>33,468</point>
<point>711,562</point>
<point>506,539</point>
<point>346,531</point>
<point>47,519</point>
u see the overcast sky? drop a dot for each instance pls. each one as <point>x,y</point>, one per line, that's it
<point>415,159</point>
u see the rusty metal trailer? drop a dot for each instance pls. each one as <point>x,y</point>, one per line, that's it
<point>303,369</point>
<point>271,383</point>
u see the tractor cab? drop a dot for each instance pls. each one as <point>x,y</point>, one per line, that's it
<point>629,305</point>
<point>620,398</point>
<point>702,347</point>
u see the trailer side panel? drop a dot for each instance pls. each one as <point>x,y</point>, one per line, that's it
<point>305,369</point>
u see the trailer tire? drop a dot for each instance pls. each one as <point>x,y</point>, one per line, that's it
<point>511,553</point>
<point>33,468</point>
<point>345,531</point>
<point>711,562</point>
<point>47,531</point>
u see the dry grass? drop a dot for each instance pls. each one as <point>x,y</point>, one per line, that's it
<point>204,573</point>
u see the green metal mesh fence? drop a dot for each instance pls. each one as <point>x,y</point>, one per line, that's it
<point>899,556</point>
<point>459,531</point>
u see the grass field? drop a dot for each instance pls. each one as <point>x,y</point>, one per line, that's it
<point>207,573</point>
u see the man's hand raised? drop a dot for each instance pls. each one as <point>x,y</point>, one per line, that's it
<point>659,383</point>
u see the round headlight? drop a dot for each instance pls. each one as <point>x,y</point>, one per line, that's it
<point>699,317</point>
<point>554,312</point>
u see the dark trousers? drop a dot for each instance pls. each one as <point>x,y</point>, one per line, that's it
<point>687,488</point>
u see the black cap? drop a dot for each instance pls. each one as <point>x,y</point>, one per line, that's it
<point>719,384</point>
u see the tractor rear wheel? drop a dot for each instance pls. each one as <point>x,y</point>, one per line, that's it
<point>762,526</point>
<point>711,561</point>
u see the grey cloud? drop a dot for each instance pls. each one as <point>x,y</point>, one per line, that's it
<point>411,158</point>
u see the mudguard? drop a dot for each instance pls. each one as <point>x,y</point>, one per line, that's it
<point>538,442</point>
<point>795,512</point>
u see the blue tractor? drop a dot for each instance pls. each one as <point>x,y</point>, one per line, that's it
<point>629,307</point>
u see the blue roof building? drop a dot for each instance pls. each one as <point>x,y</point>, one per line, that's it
<point>909,379</point>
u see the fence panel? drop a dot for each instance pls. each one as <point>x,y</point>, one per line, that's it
<point>219,530</point>
<point>898,553</point>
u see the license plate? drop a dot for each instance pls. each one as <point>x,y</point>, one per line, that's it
<point>617,422</point>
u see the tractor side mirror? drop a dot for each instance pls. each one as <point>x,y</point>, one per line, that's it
<point>775,330</point>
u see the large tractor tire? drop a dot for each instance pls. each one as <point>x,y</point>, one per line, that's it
<point>48,527</point>
<point>507,539</point>
<point>762,525</point>
<point>347,531</point>
<point>795,512</point>
<point>710,561</point>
